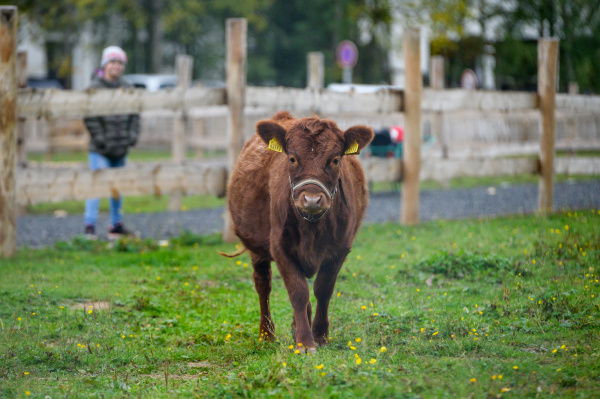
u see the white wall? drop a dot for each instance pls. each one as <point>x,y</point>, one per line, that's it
<point>31,41</point>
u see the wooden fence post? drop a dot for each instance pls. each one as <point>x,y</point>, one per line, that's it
<point>183,64</point>
<point>316,70</point>
<point>438,83</point>
<point>573,88</point>
<point>22,123</point>
<point>411,154</point>
<point>547,66</point>
<point>437,72</point>
<point>236,92</point>
<point>8,130</point>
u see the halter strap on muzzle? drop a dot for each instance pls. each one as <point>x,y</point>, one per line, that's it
<point>316,182</point>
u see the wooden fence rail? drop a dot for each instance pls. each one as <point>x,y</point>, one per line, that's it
<point>62,104</point>
<point>42,184</point>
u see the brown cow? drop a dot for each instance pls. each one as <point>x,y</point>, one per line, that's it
<point>299,205</point>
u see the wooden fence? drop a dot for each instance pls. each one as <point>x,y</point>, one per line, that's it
<point>36,184</point>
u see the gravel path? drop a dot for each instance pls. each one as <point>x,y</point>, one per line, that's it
<point>38,231</point>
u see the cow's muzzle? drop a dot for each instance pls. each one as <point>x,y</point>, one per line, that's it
<point>313,206</point>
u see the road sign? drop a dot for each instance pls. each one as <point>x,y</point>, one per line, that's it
<point>347,54</point>
<point>468,80</point>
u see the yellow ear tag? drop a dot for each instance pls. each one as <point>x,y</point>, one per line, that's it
<point>353,149</point>
<point>274,145</point>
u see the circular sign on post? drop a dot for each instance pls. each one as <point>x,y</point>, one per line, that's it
<point>468,80</point>
<point>346,54</point>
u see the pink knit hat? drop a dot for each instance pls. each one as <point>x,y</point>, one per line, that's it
<point>113,53</point>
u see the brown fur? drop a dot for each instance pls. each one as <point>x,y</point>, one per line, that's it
<point>270,225</point>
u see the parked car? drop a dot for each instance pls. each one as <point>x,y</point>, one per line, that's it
<point>152,82</point>
<point>44,83</point>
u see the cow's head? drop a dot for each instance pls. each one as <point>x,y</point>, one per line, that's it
<point>315,149</point>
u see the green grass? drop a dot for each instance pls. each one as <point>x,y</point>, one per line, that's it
<point>137,204</point>
<point>470,182</point>
<point>135,155</point>
<point>462,308</point>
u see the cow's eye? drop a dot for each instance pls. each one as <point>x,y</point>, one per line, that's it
<point>292,160</point>
<point>336,161</point>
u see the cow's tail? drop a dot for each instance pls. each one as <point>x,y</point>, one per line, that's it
<point>236,253</point>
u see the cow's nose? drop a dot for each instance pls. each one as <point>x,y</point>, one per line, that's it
<point>312,202</point>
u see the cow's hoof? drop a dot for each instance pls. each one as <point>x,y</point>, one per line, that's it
<point>268,337</point>
<point>304,349</point>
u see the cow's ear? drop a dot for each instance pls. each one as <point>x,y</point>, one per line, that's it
<point>356,138</point>
<point>273,134</point>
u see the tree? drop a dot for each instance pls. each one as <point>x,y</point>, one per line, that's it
<point>575,22</point>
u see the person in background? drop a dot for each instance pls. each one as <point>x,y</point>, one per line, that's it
<point>111,137</point>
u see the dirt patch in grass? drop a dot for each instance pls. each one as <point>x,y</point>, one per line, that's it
<point>93,305</point>
<point>198,365</point>
<point>179,377</point>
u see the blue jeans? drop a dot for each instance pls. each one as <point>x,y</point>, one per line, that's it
<point>92,205</point>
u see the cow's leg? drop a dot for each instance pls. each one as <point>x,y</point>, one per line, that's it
<point>299,294</point>
<point>309,314</point>
<point>323,288</point>
<point>262,282</point>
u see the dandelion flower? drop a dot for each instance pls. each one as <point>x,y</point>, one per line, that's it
<point>473,380</point>
<point>284,364</point>
<point>297,351</point>
<point>358,339</point>
<point>494,377</point>
<point>323,374</point>
<point>363,307</point>
<point>500,376</point>
<point>505,390</point>
<point>319,367</point>
<point>26,373</point>
<point>373,361</point>
<point>554,350</point>
<point>377,314</point>
<point>563,347</point>
<point>516,367</point>
<point>227,337</point>
<point>435,333</point>
<point>358,360</point>
<point>383,349</point>
<point>291,347</point>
